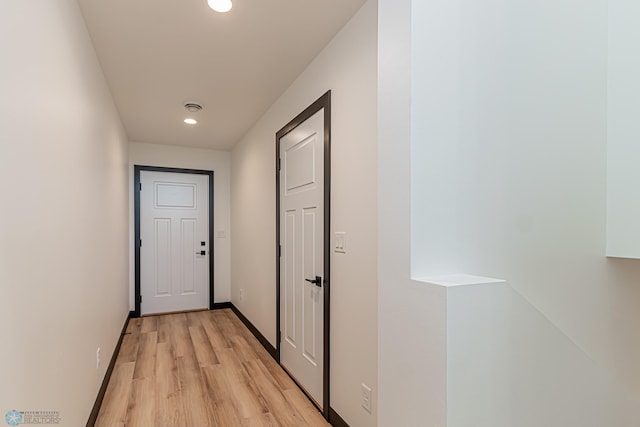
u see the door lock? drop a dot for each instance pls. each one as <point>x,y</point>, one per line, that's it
<point>201,253</point>
<point>317,281</point>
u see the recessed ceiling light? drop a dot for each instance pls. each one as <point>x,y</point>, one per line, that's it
<point>220,5</point>
<point>190,121</point>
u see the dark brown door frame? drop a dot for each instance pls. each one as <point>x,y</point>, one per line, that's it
<point>136,191</point>
<point>323,102</point>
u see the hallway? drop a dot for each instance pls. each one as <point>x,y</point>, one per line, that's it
<point>200,369</point>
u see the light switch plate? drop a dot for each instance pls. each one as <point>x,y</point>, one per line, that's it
<point>341,242</point>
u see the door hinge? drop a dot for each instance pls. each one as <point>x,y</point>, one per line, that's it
<point>140,299</point>
<point>140,242</point>
<point>279,164</point>
<point>279,250</point>
<point>140,186</point>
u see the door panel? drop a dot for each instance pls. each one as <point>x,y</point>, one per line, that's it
<point>174,195</point>
<point>310,300</point>
<point>302,230</point>
<point>290,278</point>
<point>188,243</point>
<point>300,159</point>
<point>174,219</point>
<point>163,256</point>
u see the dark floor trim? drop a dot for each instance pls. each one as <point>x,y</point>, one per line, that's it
<point>265,342</point>
<point>336,420</point>
<point>221,305</point>
<point>93,417</point>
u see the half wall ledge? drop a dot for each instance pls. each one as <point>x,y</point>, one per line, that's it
<point>453,280</point>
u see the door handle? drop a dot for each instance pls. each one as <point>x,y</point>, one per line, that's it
<point>317,281</point>
<point>201,253</point>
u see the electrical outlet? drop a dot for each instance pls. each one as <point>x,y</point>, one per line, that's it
<point>366,396</point>
<point>98,358</point>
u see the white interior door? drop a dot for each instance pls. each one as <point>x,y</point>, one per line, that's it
<point>301,263</point>
<point>174,230</point>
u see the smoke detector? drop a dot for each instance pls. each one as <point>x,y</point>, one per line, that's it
<point>192,107</point>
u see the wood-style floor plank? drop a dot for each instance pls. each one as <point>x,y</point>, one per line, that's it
<point>135,325</point>
<point>194,398</point>
<point>283,412</point>
<point>217,339</point>
<point>304,407</point>
<point>264,420</point>
<point>141,410</point>
<point>180,338</point>
<point>164,329</point>
<point>200,369</point>
<point>129,348</point>
<point>113,412</point>
<point>146,357</point>
<point>149,324</point>
<point>169,408</point>
<point>221,408</point>
<point>202,346</point>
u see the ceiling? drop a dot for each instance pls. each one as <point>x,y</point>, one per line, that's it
<point>159,54</point>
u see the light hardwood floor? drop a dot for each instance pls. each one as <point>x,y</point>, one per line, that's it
<point>200,369</point>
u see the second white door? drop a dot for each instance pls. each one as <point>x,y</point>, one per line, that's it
<point>301,263</point>
<point>174,232</point>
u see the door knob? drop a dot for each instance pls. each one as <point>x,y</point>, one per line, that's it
<point>317,281</point>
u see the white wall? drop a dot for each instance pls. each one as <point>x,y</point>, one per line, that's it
<point>623,150</point>
<point>190,158</point>
<point>527,116</point>
<point>63,215</point>
<point>347,66</point>
<point>508,365</point>
<point>412,316</point>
